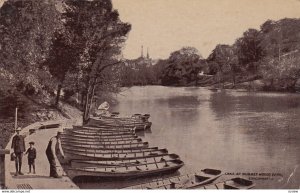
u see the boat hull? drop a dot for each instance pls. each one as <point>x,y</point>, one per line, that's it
<point>113,173</point>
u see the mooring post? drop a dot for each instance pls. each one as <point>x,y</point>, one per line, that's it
<point>2,166</point>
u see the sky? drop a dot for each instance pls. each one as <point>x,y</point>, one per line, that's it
<point>165,26</point>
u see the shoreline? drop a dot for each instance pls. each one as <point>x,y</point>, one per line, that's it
<point>248,86</point>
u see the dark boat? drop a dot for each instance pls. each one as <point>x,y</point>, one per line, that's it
<point>95,122</point>
<point>187,181</point>
<point>75,149</point>
<point>79,155</point>
<point>100,137</point>
<point>97,139</point>
<point>105,144</point>
<point>132,162</point>
<point>100,133</point>
<point>234,183</point>
<point>102,128</point>
<point>126,172</point>
<point>98,146</point>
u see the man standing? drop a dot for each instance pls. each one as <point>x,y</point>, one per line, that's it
<point>51,154</point>
<point>18,146</point>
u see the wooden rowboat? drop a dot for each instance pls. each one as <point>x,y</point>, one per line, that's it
<point>101,134</point>
<point>121,146</point>
<point>108,137</point>
<point>122,172</point>
<point>97,139</point>
<point>187,181</point>
<point>74,148</point>
<point>97,132</point>
<point>103,143</point>
<point>90,132</point>
<point>102,128</point>
<point>102,122</point>
<point>77,155</point>
<point>105,138</point>
<point>234,183</point>
<point>134,162</point>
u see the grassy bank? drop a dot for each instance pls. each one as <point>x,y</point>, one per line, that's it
<point>40,113</point>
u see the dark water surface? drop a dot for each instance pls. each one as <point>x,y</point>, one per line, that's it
<point>254,134</point>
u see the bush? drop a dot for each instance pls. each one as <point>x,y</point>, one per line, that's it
<point>8,103</point>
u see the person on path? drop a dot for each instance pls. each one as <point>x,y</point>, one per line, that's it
<point>18,147</point>
<point>51,154</point>
<point>31,151</point>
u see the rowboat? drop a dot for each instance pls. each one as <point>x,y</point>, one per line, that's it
<point>104,143</point>
<point>98,146</point>
<point>108,138</point>
<point>136,116</point>
<point>98,138</point>
<point>100,122</point>
<point>187,181</point>
<point>102,128</point>
<point>74,148</point>
<point>135,119</point>
<point>102,134</point>
<point>100,142</point>
<point>134,162</point>
<point>91,132</point>
<point>122,172</point>
<point>234,183</point>
<point>79,148</point>
<point>77,155</point>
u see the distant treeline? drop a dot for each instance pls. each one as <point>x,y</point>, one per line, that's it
<point>270,55</point>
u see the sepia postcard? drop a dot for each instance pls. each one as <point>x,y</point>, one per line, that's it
<point>149,94</point>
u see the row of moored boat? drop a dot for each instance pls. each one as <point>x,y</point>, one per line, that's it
<point>108,147</point>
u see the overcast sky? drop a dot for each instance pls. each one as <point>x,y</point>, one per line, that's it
<point>168,25</point>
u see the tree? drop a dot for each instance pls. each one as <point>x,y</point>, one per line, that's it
<point>225,60</point>
<point>249,50</point>
<point>183,66</point>
<point>62,59</point>
<point>26,29</point>
<point>99,35</point>
<point>284,72</point>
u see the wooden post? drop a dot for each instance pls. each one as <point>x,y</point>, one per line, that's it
<point>16,118</point>
<point>2,166</point>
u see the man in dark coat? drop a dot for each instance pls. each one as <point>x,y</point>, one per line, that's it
<point>18,146</point>
<point>51,154</point>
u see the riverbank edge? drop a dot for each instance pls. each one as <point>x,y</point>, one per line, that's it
<point>246,86</point>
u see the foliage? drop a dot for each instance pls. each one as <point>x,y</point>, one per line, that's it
<point>225,61</point>
<point>183,66</point>
<point>249,50</point>
<point>98,34</point>
<point>26,28</point>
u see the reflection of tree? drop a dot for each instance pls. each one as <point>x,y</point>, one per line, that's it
<point>181,107</point>
<point>222,104</point>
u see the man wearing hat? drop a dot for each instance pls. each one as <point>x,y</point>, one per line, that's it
<point>51,154</point>
<point>18,146</point>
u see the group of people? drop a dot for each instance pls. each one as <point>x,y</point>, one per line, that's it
<point>18,148</point>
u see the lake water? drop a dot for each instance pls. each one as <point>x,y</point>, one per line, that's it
<point>246,134</point>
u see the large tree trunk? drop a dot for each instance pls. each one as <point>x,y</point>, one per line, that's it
<point>85,114</point>
<point>88,101</point>
<point>59,87</point>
